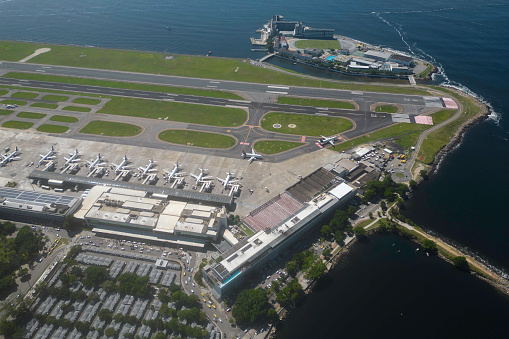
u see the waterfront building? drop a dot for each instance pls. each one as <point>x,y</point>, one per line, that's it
<point>36,207</point>
<point>401,59</point>
<point>296,29</point>
<point>377,55</point>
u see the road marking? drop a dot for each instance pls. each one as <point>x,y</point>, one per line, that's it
<point>211,86</point>
<point>357,92</point>
<point>323,108</point>
<point>174,95</point>
<point>322,114</point>
<point>169,99</point>
<point>303,138</point>
<point>244,143</point>
<point>318,144</point>
<point>276,92</point>
<point>234,106</point>
<point>215,82</point>
<point>46,67</point>
<point>40,70</point>
<point>279,87</point>
<point>243,101</point>
<point>24,80</point>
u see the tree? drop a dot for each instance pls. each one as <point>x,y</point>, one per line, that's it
<point>383,205</point>
<point>316,270</point>
<point>110,332</point>
<point>360,232</point>
<point>291,268</point>
<point>272,315</point>
<point>7,328</point>
<point>461,263</point>
<point>95,275</point>
<point>430,246</point>
<point>7,228</point>
<point>160,335</point>
<point>413,184</point>
<point>423,174</point>
<point>93,297</point>
<point>83,327</point>
<point>371,215</point>
<point>250,306</point>
<point>105,315</point>
<point>327,252</point>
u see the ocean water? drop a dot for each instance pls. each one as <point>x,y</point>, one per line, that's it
<point>465,201</point>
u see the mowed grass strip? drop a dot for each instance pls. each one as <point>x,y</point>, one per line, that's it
<point>14,102</point>
<point>322,44</point>
<point>24,95</point>
<point>44,105</point>
<point>410,139</point>
<point>195,138</point>
<point>315,102</point>
<point>124,85</point>
<point>15,51</point>
<point>87,101</point>
<point>48,128</point>
<point>305,124</point>
<point>386,109</point>
<point>31,115</point>
<point>110,128</point>
<point>53,97</point>
<point>64,118</point>
<point>3,91</point>
<point>175,111</point>
<point>191,66</point>
<point>17,124</point>
<point>275,146</point>
<point>5,112</point>
<point>77,109</point>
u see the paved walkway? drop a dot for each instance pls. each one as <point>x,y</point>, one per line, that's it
<point>36,53</point>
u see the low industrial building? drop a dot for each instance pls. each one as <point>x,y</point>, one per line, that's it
<point>127,213</point>
<point>402,60</point>
<point>36,207</point>
<point>283,221</point>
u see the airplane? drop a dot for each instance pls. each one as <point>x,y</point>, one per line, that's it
<point>96,163</point>
<point>174,173</point>
<point>200,178</point>
<point>10,157</point>
<point>74,158</point>
<point>227,181</point>
<point>123,165</point>
<point>47,156</point>
<point>329,140</point>
<point>11,106</point>
<point>146,170</point>
<point>252,156</point>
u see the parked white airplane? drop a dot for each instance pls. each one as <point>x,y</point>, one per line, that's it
<point>252,156</point>
<point>228,180</point>
<point>74,158</point>
<point>146,170</point>
<point>96,163</point>
<point>174,173</point>
<point>123,165</point>
<point>10,157</point>
<point>200,178</point>
<point>329,140</point>
<point>47,156</point>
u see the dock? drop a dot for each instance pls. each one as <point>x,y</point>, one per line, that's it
<point>258,42</point>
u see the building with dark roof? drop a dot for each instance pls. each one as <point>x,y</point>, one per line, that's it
<point>401,59</point>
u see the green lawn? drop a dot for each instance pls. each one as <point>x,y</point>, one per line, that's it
<point>64,118</point>
<point>44,105</point>
<point>24,95</point>
<point>305,124</point>
<point>315,102</point>
<point>31,115</point>
<point>14,102</point>
<point>192,66</point>
<point>87,101</point>
<point>386,109</point>
<point>175,111</point>
<point>275,146</point>
<point>17,124</point>
<point>199,139</point>
<point>3,91</point>
<point>246,230</point>
<point>410,140</point>
<point>5,112</point>
<point>52,97</point>
<point>15,51</point>
<point>52,128</point>
<point>125,85</point>
<point>77,109</point>
<point>110,128</point>
<point>322,44</point>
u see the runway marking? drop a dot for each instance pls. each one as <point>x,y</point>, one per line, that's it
<point>323,108</point>
<point>318,144</point>
<point>169,99</point>
<point>357,92</point>
<point>276,92</point>
<point>234,106</point>
<point>40,70</point>
<point>23,80</point>
<point>245,143</point>
<point>46,67</point>
<point>279,87</point>
<point>303,138</point>
<point>243,101</point>
<point>322,114</point>
<point>215,82</point>
<point>172,94</point>
<point>211,86</point>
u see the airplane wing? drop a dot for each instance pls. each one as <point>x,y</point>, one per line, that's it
<point>251,159</point>
<point>221,180</point>
<point>194,176</point>
<point>332,143</point>
<point>207,178</point>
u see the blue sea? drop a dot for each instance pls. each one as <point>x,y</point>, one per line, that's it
<point>377,293</point>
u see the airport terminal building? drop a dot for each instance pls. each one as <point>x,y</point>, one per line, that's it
<point>281,222</point>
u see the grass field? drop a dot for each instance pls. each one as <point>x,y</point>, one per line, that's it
<point>110,128</point>
<point>192,66</point>
<point>31,115</point>
<point>14,102</point>
<point>24,95</point>
<point>199,139</point>
<point>305,124</point>
<point>77,109</point>
<point>175,111</point>
<point>386,109</point>
<point>52,97</point>
<point>322,44</point>
<point>3,91</point>
<point>52,128</point>
<point>315,102</point>
<point>15,51</point>
<point>125,85</point>
<point>17,124</point>
<point>87,101</point>
<point>5,112</point>
<point>64,118</point>
<point>275,146</point>
<point>410,140</point>
<point>44,105</point>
